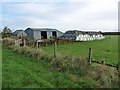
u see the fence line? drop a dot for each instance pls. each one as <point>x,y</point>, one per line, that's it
<point>104,64</point>
<point>90,61</point>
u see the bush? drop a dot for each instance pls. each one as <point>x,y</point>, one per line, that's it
<point>8,41</point>
<point>27,51</point>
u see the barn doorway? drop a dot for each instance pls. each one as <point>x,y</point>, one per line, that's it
<point>43,34</point>
<point>54,33</point>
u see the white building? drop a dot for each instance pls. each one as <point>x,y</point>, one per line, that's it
<point>82,35</point>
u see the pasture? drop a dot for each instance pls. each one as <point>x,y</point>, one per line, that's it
<point>106,50</point>
<point>19,71</point>
<point>21,67</point>
<point>24,72</point>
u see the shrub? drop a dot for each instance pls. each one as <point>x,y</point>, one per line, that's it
<point>8,41</point>
<point>27,51</point>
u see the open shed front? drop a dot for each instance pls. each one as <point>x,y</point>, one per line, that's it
<point>43,34</point>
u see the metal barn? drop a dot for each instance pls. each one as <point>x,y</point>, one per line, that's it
<point>43,33</point>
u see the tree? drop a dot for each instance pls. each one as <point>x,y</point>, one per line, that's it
<point>6,32</point>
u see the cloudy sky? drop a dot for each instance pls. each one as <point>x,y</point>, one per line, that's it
<point>60,14</point>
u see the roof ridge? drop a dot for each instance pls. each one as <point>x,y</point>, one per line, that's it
<point>43,28</point>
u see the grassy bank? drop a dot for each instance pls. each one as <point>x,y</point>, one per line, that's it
<point>23,72</point>
<point>20,71</point>
<point>106,49</point>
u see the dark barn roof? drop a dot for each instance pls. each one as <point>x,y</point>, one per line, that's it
<point>19,32</point>
<point>71,34</point>
<point>83,32</point>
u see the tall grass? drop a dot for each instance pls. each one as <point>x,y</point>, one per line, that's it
<point>103,75</point>
<point>63,64</point>
<point>76,69</point>
<point>95,74</point>
<point>102,50</point>
<point>8,41</point>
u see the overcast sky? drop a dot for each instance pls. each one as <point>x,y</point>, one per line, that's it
<point>60,14</point>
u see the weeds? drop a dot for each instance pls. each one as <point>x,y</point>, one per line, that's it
<point>76,66</point>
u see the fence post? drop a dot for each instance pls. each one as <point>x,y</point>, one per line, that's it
<point>15,42</point>
<point>37,44</point>
<point>46,43</point>
<point>117,67</point>
<point>89,56</point>
<point>103,62</point>
<point>54,49</point>
<point>24,42</point>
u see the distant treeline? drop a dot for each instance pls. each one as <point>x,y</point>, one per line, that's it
<point>111,33</point>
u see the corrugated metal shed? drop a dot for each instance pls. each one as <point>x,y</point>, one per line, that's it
<point>19,33</point>
<point>43,33</point>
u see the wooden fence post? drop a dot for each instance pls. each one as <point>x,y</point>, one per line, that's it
<point>117,67</point>
<point>15,42</point>
<point>54,49</point>
<point>103,62</point>
<point>24,43</point>
<point>37,44</point>
<point>89,56</point>
<point>46,43</point>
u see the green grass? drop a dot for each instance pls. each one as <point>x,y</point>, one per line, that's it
<point>19,71</point>
<point>0,65</point>
<point>106,49</point>
<point>23,72</point>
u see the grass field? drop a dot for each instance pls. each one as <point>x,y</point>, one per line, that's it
<point>23,72</point>
<point>19,71</point>
<point>0,65</point>
<point>106,49</point>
